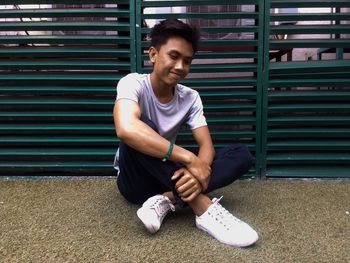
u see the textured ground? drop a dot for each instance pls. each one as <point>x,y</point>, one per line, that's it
<point>88,221</point>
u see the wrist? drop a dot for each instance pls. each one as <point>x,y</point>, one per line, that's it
<point>168,154</point>
<point>189,158</point>
<point>183,156</point>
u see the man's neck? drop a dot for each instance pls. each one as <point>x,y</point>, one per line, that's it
<point>163,93</point>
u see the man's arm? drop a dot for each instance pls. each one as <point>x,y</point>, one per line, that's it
<point>206,149</point>
<point>188,186</point>
<point>141,137</point>
<point>206,154</point>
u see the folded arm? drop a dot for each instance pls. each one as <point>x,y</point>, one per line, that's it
<point>194,179</point>
<point>143,138</point>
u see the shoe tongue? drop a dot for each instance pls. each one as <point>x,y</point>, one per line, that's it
<point>216,200</point>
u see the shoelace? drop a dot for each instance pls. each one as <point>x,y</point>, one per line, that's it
<point>222,215</point>
<point>161,207</point>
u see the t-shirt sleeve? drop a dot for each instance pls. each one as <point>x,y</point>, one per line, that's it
<point>196,117</point>
<point>129,87</point>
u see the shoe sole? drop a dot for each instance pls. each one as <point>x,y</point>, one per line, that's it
<point>224,242</point>
<point>143,218</point>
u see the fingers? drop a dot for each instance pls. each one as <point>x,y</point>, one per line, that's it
<point>188,187</point>
<point>178,174</point>
<point>201,171</point>
<point>192,196</point>
<point>205,184</point>
<point>185,188</point>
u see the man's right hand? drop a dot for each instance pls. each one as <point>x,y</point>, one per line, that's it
<point>187,186</point>
<point>201,170</point>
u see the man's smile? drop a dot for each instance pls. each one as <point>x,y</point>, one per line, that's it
<point>175,75</point>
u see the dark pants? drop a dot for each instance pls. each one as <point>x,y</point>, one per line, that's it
<point>142,176</point>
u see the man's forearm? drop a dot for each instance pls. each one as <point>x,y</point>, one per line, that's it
<point>144,139</point>
<point>206,154</point>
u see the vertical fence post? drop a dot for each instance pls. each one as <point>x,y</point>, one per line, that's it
<point>259,88</point>
<point>133,43</point>
<point>138,35</point>
<point>265,85</point>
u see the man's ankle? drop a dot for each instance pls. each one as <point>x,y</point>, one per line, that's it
<point>200,204</point>
<point>171,197</point>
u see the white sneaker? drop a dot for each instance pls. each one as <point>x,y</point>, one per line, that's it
<point>153,212</point>
<point>222,225</point>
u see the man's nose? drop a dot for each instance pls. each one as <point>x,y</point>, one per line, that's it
<point>179,65</point>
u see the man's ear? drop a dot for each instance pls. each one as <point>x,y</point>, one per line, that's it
<point>152,53</point>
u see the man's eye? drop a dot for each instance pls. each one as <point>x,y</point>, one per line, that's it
<point>173,56</point>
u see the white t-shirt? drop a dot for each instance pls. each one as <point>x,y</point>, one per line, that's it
<point>185,108</point>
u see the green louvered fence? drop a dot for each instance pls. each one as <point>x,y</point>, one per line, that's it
<point>58,69</point>
<point>306,118</point>
<point>59,65</point>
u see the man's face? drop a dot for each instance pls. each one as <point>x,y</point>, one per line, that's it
<point>171,63</point>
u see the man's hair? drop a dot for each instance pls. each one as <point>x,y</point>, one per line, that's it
<point>168,28</point>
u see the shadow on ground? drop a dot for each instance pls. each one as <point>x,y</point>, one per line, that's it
<point>88,221</point>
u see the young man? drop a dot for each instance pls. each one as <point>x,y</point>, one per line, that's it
<point>153,170</point>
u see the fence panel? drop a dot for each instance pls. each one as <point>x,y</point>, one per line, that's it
<point>59,64</point>
<point>307,101</point>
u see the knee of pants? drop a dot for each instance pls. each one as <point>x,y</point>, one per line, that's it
<point>131,198</point>
<point>247,158</point>
<point>243,154</point>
